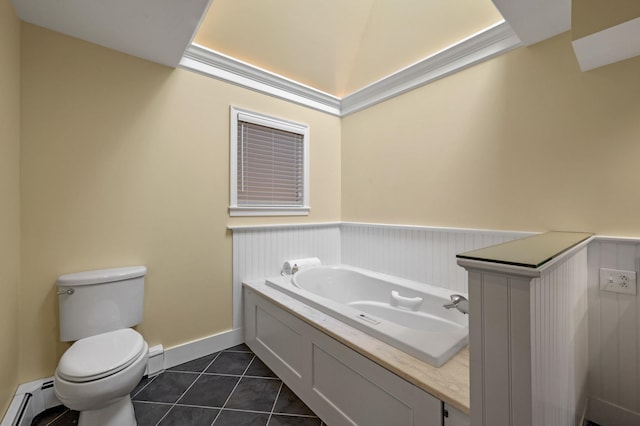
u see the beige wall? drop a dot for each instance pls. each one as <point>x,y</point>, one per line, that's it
<point>591,16</point>
<point>9,199</point>
<point>126,162</point>
<point>525,141</point>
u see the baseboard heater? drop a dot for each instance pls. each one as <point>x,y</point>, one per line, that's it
<point>30,400</point>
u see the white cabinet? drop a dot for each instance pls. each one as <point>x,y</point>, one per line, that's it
<point>340,385</point>
<point>454,417</point>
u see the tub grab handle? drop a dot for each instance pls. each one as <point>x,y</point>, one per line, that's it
<point>412,303</point>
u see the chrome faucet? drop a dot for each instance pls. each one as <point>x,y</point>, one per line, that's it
<point>294,269</point>
<point>459,302</point>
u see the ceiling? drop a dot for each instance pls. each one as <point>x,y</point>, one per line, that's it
<point>339,46</point>
<point>334,46</point>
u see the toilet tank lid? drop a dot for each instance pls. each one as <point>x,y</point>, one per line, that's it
<point>101,276</point>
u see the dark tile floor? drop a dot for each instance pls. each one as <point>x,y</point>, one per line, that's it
<point>228,388</point>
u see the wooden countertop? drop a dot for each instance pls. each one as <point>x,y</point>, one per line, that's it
<point>449,383</point>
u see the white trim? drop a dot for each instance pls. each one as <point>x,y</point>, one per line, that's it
<point>222,67</point>
<point>486,44</point>
<point>608,46</point>
<point>437,228</point>
<point>614,239</point>
<point>269,211</point>
<point>236,228</point>
<point>498,268</point>
<point>195,349</point>
<point>240,228</point>
<point>239,114</point>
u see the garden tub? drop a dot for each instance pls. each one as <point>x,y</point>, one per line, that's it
<point>405,314</point>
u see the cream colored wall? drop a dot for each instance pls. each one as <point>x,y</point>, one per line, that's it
<point>591,16</point>
<point>524,141</point>
<point>126,162</point>
<point>9,199</point>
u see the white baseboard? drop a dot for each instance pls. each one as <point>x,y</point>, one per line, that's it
<point>201,347</point>
<point>605,413</point>
<point>35,397</point>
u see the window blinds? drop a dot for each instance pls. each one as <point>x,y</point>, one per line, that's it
<point>270,166</point>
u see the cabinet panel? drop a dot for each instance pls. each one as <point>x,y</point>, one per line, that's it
<point>282,340</point>
<point>337,383</point>
<point>360,399</point>
<point>455,417</point>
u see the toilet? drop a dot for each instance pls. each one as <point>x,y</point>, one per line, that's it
<point>107,359</point>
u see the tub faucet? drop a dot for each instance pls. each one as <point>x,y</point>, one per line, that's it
<point>459,302</point>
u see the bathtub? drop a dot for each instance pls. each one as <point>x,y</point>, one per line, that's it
<point>405,314</point>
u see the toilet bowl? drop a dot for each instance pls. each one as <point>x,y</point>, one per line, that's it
<point>96,375</point>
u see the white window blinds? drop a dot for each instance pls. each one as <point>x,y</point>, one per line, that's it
<point>270,165</point>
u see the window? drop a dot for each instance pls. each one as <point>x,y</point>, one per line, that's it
<point>269,165</point>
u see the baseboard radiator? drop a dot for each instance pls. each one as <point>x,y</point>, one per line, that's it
<point>30,400</point>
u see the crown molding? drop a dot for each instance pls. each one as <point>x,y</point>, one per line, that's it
<point>222,67</point>
<point>486,44</point>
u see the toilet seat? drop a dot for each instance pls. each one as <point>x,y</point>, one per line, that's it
<point>100,356</point>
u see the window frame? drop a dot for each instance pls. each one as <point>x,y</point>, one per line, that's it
<point>276,123</point>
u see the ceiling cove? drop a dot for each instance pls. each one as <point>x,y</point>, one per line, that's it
<point>479,47</point>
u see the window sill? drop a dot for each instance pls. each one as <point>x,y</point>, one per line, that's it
<point>269,211</point>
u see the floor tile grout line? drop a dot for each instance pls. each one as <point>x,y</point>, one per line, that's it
<point>234,388</point>
<point>155,402</point>
<point>189,387</point>
<point>275,401</point>
<point>239,375</point>
<point>147,384</point>
<point>242,410</point>
<point>245,374</point>
<point>306,416</point>
<point>58,417</point>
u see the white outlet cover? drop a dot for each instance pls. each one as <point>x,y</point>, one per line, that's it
<point>618,281</point>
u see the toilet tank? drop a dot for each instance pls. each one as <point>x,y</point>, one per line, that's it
<point>99,301</point>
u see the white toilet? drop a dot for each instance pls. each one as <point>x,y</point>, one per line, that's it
<point>97,373</point>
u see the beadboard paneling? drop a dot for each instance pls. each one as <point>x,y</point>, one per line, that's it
<point>260,252</point>
<point>614,337</point>
<point>423,254</point>
<point>528,343</point>
<point>559,342</point>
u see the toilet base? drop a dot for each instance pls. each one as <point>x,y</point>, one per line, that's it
<point>118,413</point>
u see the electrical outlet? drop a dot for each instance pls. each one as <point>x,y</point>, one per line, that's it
<point>618,281</point>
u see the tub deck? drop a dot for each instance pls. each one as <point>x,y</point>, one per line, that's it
<point>449,383</point>
<point>403,313</point>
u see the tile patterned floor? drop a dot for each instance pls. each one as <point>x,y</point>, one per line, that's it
<point>228,388</point>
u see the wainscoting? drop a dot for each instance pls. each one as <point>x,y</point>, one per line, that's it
<point>260,251</point>
<point>420,253</point>
<point>559,342</point>
<point>427,254</point>
<point>528,341</point>
<point>614,336</point>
